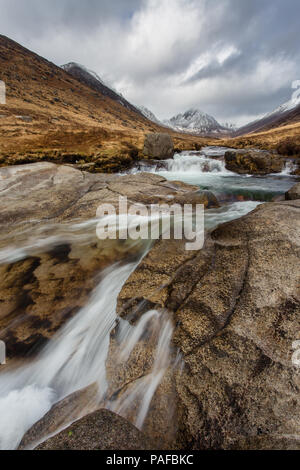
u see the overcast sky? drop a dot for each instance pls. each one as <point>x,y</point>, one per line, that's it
<point>234,59</point>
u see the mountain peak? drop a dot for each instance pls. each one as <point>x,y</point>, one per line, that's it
<point>92,79</point>
<point>196,121</point>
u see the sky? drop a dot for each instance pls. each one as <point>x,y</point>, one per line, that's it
<point>233,59</point>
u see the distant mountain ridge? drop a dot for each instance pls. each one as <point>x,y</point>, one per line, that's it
<point>195,121</point>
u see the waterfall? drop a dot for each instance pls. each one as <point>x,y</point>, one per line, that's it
<point>290,168</point>
<point>76,357</point>
<point>190,163</point>
<point>136,400</point>
<point>73,359</point>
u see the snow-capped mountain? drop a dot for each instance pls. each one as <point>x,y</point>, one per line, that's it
<point>285,107</point>
<point>91,79</point>
<point>230,126</point>
<point>149,115</point>
<point>286,113</point>
<point>195,121</point>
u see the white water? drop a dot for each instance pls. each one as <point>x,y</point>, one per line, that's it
<point>210,174</point>
<point>74,359</point>
<point>137,398</point>
<point>76,356</point>
<point>189,163</point>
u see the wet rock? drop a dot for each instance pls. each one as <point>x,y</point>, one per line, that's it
<point>253,162</point>
<point>61,415</point>
<point>159,146</point>
<point>145,165</point>
<point>289,146</point>
<point>101,430</point>
<point>236,305</point>
<point>293,193</point>
<point>50,260</point>
<point>207,198</point>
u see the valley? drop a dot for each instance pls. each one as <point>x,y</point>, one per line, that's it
<point>138,343</point>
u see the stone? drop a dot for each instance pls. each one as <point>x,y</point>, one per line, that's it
<point>44,284</point>
<point>253,162</point>
<point>159,146</point>
<point>101,430</point>
<point>61,415</point>
<point>207,198</point>
<point>293,193</point>
<point>236,305</point>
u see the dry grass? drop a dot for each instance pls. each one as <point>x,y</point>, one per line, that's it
<point>50,115</point>
<point>274,139</point>
<point>64,120</point>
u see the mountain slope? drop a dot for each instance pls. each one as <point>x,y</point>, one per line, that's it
<point>51,115</point>
<point>195,121</point>
<point>92,80</point>
<point>149,115</point>
<point>287,113</point>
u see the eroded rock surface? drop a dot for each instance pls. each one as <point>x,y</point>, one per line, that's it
<point>50,257</point>
<point>101,430</point>
<point>236,305</point>
<point>61,415</point>
<point>253,162</point>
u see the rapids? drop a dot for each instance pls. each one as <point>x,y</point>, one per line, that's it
<point>76,357</point>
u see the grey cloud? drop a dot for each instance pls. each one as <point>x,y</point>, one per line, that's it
<point>145,54</point>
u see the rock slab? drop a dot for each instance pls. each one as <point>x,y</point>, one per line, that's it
<point>236,305</point>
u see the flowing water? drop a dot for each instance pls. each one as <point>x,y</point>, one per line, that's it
<point>76,357</point>
<point>239,194</point>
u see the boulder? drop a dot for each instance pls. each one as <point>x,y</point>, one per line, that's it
<point>293,193</point>
<point>101,430</point>
<point>159,146</point>
<point>68,410</point>
<point>253,162</point>
<point>236,305</point>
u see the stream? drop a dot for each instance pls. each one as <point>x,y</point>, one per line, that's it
<point>76,357</point>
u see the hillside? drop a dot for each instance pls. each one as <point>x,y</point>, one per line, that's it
<point>286,114</point>
<point>278,130</point>
<point>284,139</point>
<point>51,115</point>
<point>92,80</point>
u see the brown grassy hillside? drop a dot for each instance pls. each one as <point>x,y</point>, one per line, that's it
<point>284,139</point>
<point>51,115</point>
